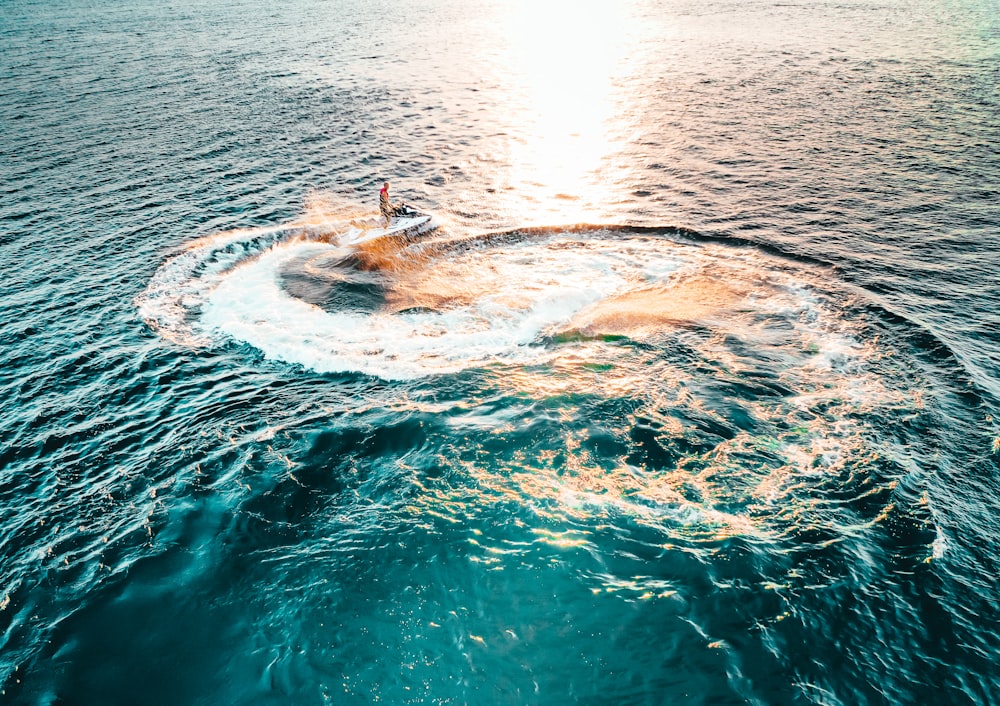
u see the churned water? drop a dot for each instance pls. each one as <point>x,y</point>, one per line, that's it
<point>690,397</point>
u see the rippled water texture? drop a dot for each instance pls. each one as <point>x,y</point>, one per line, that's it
<point>686,394</point>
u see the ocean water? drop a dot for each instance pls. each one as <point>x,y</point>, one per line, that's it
<point>689,397</point>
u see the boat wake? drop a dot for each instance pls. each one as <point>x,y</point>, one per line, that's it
<point>403,308</point>
<point>756,374</point>
<point>183,288</point>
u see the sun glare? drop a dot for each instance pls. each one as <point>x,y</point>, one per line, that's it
<point>565,59</point>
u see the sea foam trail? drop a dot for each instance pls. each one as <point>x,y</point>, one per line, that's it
<point>437,310</point>
<point>493,321</point>
<point>181,286</point>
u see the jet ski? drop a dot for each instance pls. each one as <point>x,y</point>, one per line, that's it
<point>405,220</point>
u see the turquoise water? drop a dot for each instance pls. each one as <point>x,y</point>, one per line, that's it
<point>690,396</point>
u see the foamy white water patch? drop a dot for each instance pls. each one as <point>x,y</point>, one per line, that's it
<point>504,300</point>
<point>249,304</point>
<point>181,285</point>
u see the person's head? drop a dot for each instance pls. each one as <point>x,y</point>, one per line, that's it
<point>385,185</point>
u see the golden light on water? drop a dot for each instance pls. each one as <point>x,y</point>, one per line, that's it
<point>566,63</point>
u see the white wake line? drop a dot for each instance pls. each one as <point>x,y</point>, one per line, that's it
<point>250,306</point>
<point>183,283</point>
<point>228,288</point>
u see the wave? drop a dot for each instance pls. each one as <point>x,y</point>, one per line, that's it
<point>178,290</point>
<point>742,355</point>
<point>401,308</point>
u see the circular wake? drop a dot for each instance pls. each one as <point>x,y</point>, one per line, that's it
<point>677,422</point>
<point>736,376</point>
<point>402,310</point>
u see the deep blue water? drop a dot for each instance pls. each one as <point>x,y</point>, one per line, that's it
<point>691,396</point>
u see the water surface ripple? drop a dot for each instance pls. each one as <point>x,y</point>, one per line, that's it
<point>690,395</point>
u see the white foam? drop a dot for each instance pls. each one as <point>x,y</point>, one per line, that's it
<point>940,544</point>
<point>229,287</point>
<point>249,305</point>
<point>181,284</point>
